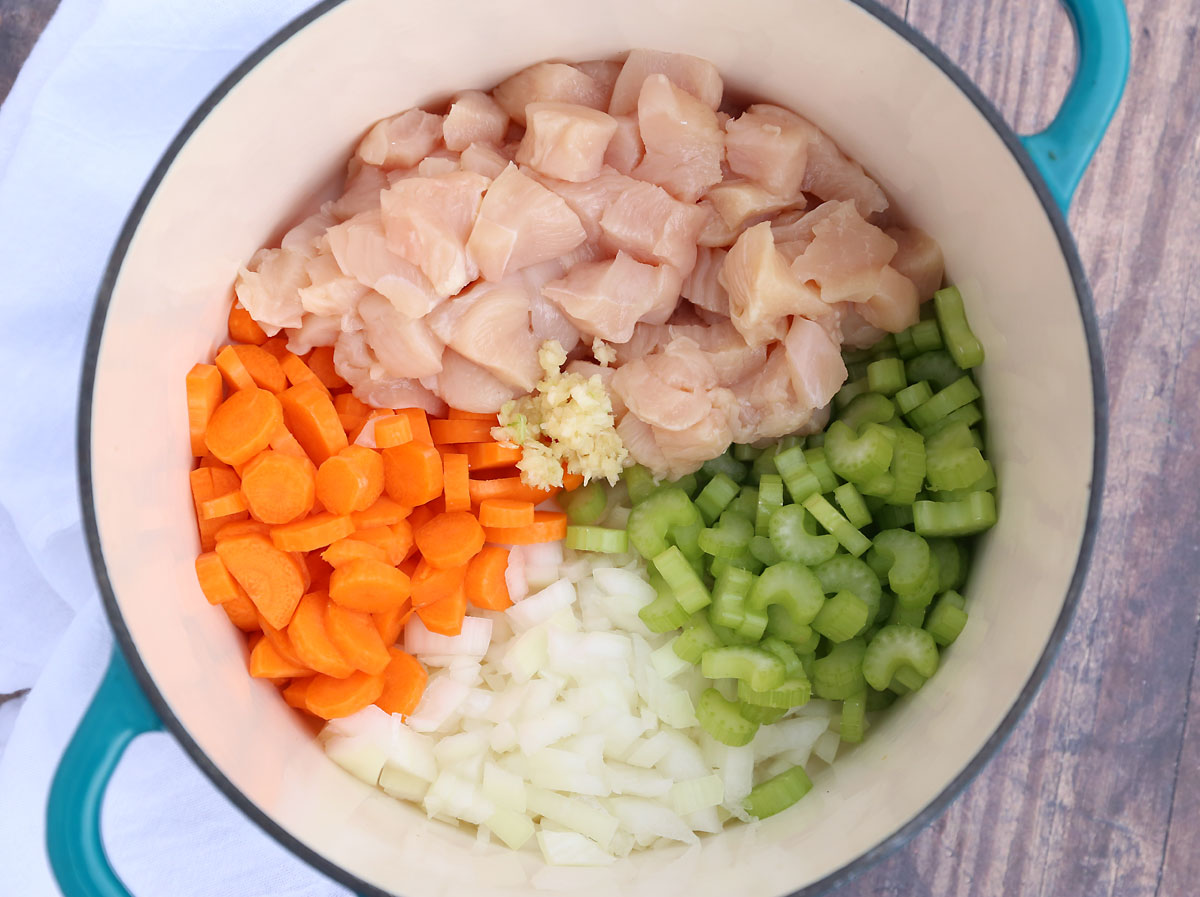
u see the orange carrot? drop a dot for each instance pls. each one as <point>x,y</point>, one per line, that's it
<point>283,441</point>
<point>277,346</point>
<point>355,635</point>
<point>547,526</point>
<point>208,483</point>
<point>267,663</point>
<point>241,528</point>
<point>223,506</point>
<point>456,414</point>
<point>299,374</point>
<point>485,585</point>
<point>403,683</point>
<point>418,421</point>
<point>384,512</point>
<point>296,692</point>
<point>372,586</point>
<point>460,431</point>
<point>445,617</point>
<point>375,414</point>
<point>261,365</point>
<point>242,613</point>
<point>571,481</point>
<point>421,515</point>
<point>319,571</point>
<point>215,582</point>
<point>343,551</point>
<point>395,541</point>
<point>310,639</point>
<point>233,369</point>
<point>393,430</point>
<point>351,480</point>
<point>209,461</point>
<point>390,623</point>
<point>242,425</point>
<point>243,328</point>
<point>490,455</point>
<point>272,578</point>
<point>310,416</point>
<point>204,391</point>
<point>456,483</point>
<point>282,643</point>
<point>450,539</point>
<point>331,698</point>
<point>507,487</point>
<point>312,532</point>
<point>350,411</point>
<point>412,473</point>
<point>505,512</point>
<point>320,362</point>
<point>279,487</point>
<point>431,584</point>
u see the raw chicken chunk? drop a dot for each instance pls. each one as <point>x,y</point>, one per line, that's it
<point>314,330</point>
<point>269,288</point>
<point>606,299</point>
<point>919,258</point>
<point>330,291</point>
<point>815,359</point>
<point>483,159</point>
<point>687,449</point>
<point>464,385</point>
<point>651,225</point>
<point>591,199</point>
<point>438,163</point>
<point>830,175</point>
<point>548,82</point>
<point>548,322</point>
<point>764,404</point>
<point>699,77</point>
<point>401,141</point>
<point>670,388</point>
<point>895,305</point>
<point>605,73</point>
<point>307,236</point>
<point>703,285</point>
<point>406,347</point>
<point>638,438</point>
<point>846,256</point>
<point>490,325</point>
<point>364,183</point>
<point>769,145</point>
<point>565,140</point>
<point>474,117</point>
<point>356,364</point>
<point>684,144</point>
<point>742,202</point>
<point>361,250</point>
<point>626,149</point>
<point>856,332</point>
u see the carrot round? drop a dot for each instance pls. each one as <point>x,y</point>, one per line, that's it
<point>284,442</point>
<point>450,539</point>
<point>243,328</point>
<point>354,634</point>
<point>242,425</point>
<point>571,481</point>
<point>384,512</point>
<point>296,692</point>
<point>412,473</point>
<point>300,374</point>
<point>223,506</point>
<point>431,584</point>
<point>208,483</point>
<point>331,698</point>
<point>343,551</point>
<point>233,369</point>
<point>310,416</point>
<point>445,617</point>
<point>350,411</point>
<point>267,663</point>
<point>262,366</point>
<point>404,682</point>
<point>505,512</point>
<point>367,585</point>
<point>310,639</point>
<point>319,571</point>
<point>418,422</point>
<point>456,414</point>
<point>456,482</point>
<point>485,585</point>
<point>390,623</point>
<point>215,582</point>
<point>421,515</point>
<point>392,431</point>
<point>547,526</point>
<point>491,455</point>
<point>278,487</point>
<point>395,541</point>
<point>320,362</point>
<point>204,391</point>
<point>277,346</point>
<point>351,480</point>
<point>242,613</point>
<point>272,578</point>
<point>311,533</point>
<point>241,528</point>
<point>456,431</point>
<point>282,643</point>
<point>507,487</point>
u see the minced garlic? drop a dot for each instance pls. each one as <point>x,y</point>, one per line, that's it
<point>604,354</point>
<point>568,417</point>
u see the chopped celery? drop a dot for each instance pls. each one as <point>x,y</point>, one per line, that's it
<point>858,457</point>
<point>716,496</point>
<point>946,618</point>
<point>908,470</point>
<point>598,539</point>
<point>964,347</point>
<point>728,465</point>
<point>760,669</point>
<point>747,454</point>
<point>585,505</point>
<point>686,586</point>
<point>870,407</point>
<point>729,538</point>
<point>640,483</point>
<point>800,479</point>
<point>764,550</point>
<point>792,587</point>
<point>937,367</point>
<point>972,514</point>
<point>785,652</point>
<point>770,499</point>
<point>746,503</point>
<point>961,392</point>
<point>839,673</point>
<point>886,376</point>
<point>905,557</point>
<point>793,542</point>
<point>655,524</point>
<point>842,617</point>
<point>795,691</point>
<point>729,597</point>
<point>851,389</point>
<point>819,465</point>
<point>854,717</point>
<point>720,719</point>
<point>895,647</point>
<point>911,396</point>
<point>926,336</point>
<point>843,573</point>
<point>757,713</point>
<point>954,468</point>
<point>952,563</point>
<point>852,505</point>
<point>836,525</point>
<point>697,637</point>
<point>777,793</point>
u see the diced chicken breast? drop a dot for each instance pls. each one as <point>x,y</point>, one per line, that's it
<point>856,332</point>
<point>606,299</point>
<point>762,290</point>
<point>314,330</point>
<point>653,226</point>
<point>330,292</point>
<point>438,163</point>
<point>846,255</point>
<point>703,285</point>
<point>684,145</point>
<point>464,385</point>
<point>591,199</point>
<point>830,175</point>
<point>402,140</point>
<point>815,360</point>
<point>474,117</point>
<point>364,183</point>
<point>699,77</point>
<point>895,305</point>
<point>483,159</point>
<point>638,438</point>
<point>360,247</point>
<point>686,450</point>
<point>668,389</point>
<point>741,202</point>
<point>769,145</point>
<point>716,233</point>
<point>269,288</point>
<point>626,149</point>
<point>724,347</point>
<point>406,347</point>
<point>521,223</point>
<point>605,73</point>
<point>565,140</point>
<point>548,82</point>
<point>764,404</point>
<point>548,322</point>
<point>919,258</point>
<point>490,325</point>
<point>306,236</point>
<point>428,220</point>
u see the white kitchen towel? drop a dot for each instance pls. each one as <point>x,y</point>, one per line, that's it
<point>102,95</point>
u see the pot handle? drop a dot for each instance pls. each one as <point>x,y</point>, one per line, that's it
<point>119,712</point>
<point>1063,150</point>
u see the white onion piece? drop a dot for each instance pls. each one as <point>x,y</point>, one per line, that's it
<point>540,607</point>
<point>571,849</point>
<point>514,576</point>
<point>441,701</point>
<point>473,641</point>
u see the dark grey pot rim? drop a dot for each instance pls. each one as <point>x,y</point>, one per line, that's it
<point>840,876</point>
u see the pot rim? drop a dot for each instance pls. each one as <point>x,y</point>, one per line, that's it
<point>859,864</point>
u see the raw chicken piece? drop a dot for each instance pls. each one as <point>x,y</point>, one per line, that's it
<point>684,145</point>
<point>687,449</point>
<point>548,322</point>
<point>830,175</point>
<point>856,332</point>
<point>590,199</point>
<point>703,285</point>
<point>769,145</point>
<point>699,77</point>
<point>815,360</point>
<point>798,228</point>
<point>895,305</point>
<point>364,183</point>
<point>762,289</point>
<point>269,288</point>
<point>846,255</point>
<point>427,221</point>
<point>742,202</point>
<point>565,140</point>
<point>521,223</point>
<point>438,163</point>
<point>406,347</point>
<point>605,73</point>
<point>401,141</point>
<point>330,292</point>
<point>474,117</point>
<point>360,248</point>
<point>669,388</point>
<point>306,236</point>
<point>919,258</point>
<point>483,159</point>
<point>489,324</point>
<point>716,233</point>
<point>638,438</point>
<point>464,385</point>
<point>548,82</point>
<point>651,225</point>
<point>314,330</point>
<point>606,299</point>
<point>722,345</point>
<point>356,364</point>
<point>625,150</point>
<point>764,404</point>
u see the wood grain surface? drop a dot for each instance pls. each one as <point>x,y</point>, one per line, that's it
<point>1097,792</point>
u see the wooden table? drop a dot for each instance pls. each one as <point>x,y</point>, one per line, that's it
<point>1098,790</point>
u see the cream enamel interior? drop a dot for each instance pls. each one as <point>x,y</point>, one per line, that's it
<point>281,133</point>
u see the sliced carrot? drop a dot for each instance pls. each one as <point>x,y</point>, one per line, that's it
<point>422,514</point>
<point>319,571</point>
<point>233,369</point>
<point>277,346</point>
<point>242,613</point>
<point>507,487</point>
<point>299,374</point>
<point>456,414</point>
<point>445,617</point>
<point>296,692</point>
<point>394,541</point>
<point>279,487</point>
<point>390,623</point>
<point>209,461</point>
<point>485,584</point>
<point>409,565</point>
<point>490,455</point>
<point>320,362</point>
<point>267,663</point>
<point>262,366</point>
<point>431,584</point>
<point>571,481</point>
<point>223,506</point>
<point>241,528</point>
<point>403,683</point>
<point>393,430</point>
<point>350,411</point>
<point>204,391</point>
<point>331,698</point>
<point>301,560</point>
<point>242,425</point>
<point>505,512</point>
<point>351,480</point>
<point>456,483</point>
<point>282,643</point>
<point>310,638</point>
<point>272,578</point>
<point>547,526</point>
<point>418,420</point>
<point>460,431</point>
<point>312,532</point>
<point>309,414</point>
<point>208,483</point>
<point>354,633</point>
<point>384,512</point>
<point>215,582</point>
<point>412,473</point>
<point>367,585</point>
<point>284,442</point>
<point>375,414</point>
<point>243,328</point>
<point>450,539</point>
<point>343,551</point>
